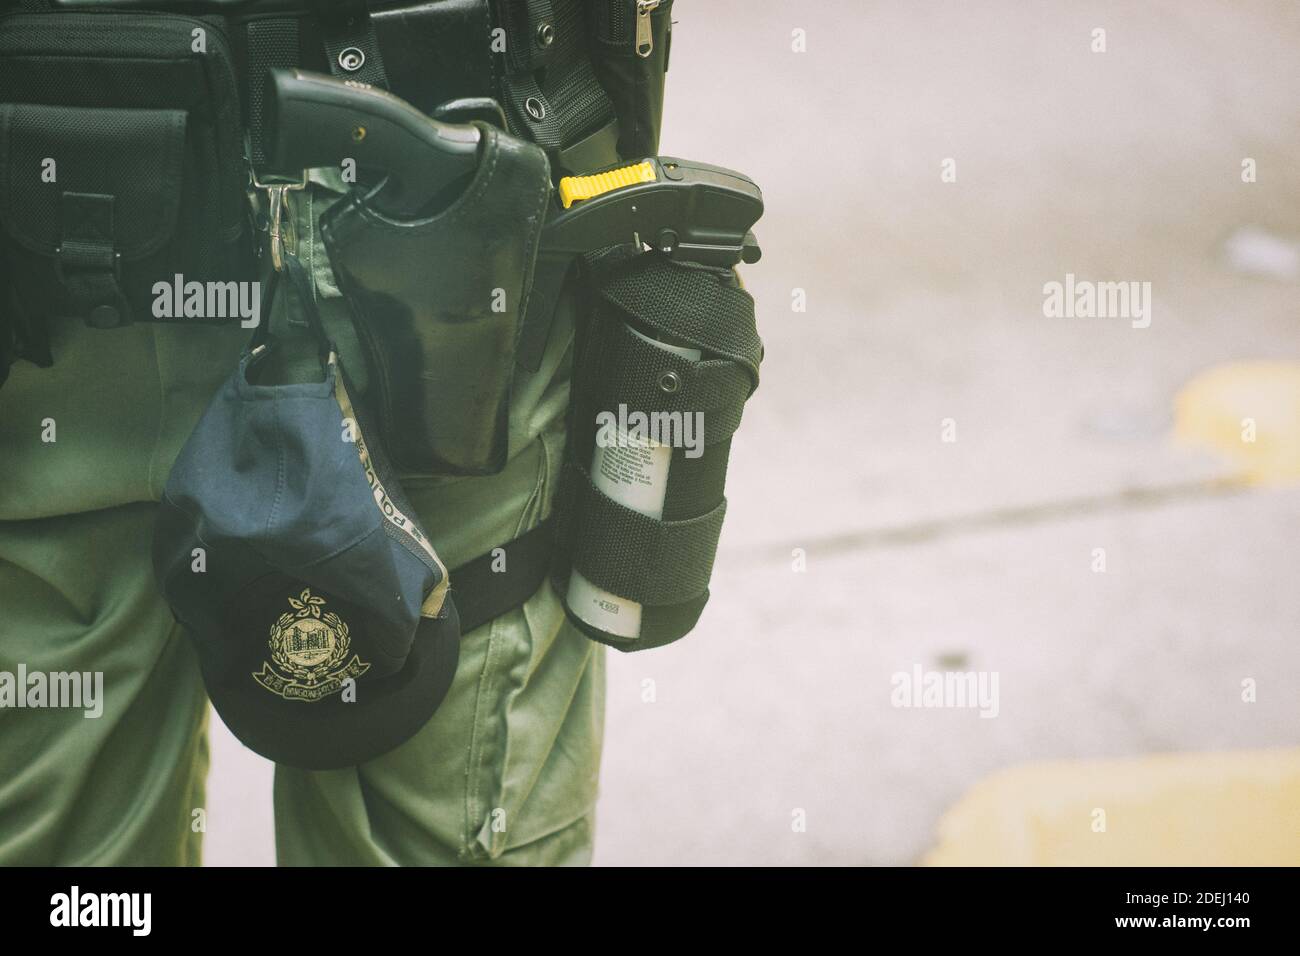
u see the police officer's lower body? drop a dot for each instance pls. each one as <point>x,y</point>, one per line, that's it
<point>504,772</point>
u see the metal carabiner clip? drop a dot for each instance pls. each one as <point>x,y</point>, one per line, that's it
<point>283,233</point>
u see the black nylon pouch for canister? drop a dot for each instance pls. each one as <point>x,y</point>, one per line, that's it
<point>662,564</point>
<point>437,304</point>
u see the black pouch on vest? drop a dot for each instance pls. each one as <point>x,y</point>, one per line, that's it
<point>629,52</point>
<point>664,348</point>
<point>121,167</point>
<point>438,304</point>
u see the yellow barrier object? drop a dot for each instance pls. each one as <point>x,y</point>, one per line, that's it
<point>1249,411</point>
<point>1212,809</point>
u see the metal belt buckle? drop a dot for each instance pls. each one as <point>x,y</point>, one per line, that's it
<point>283,234</point>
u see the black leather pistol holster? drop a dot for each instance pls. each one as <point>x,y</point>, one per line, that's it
<point>438,304</point>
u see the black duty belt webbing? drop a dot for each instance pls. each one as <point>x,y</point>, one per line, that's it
<point>268,43</point>
<point>482,593</point>
<point>550,91</point>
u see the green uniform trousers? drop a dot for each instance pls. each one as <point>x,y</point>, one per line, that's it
<point>504,772</point>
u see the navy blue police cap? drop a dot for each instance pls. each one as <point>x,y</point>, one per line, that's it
<point>285,546</point>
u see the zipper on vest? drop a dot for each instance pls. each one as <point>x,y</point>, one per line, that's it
<point>645,39</point>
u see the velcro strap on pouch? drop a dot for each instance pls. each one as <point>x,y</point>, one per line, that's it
<point>623,551</point>
<point>629,371</point>
<point>88,262</point>
<point>693,305</point>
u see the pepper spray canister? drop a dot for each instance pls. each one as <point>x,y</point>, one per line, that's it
<point>633,471</point>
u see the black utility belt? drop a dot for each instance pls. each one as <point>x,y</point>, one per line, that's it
<point>127,128</point>
<point>502,579</point>
<point>126,141</point>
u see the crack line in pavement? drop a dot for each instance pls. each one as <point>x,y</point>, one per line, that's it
<point>923,532</point>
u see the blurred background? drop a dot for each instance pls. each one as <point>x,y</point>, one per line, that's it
<point>936,477</point>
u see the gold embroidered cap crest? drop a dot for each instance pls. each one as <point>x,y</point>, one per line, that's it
<point>308,647</point>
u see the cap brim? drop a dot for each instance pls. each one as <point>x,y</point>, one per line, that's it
<point>328,735</point>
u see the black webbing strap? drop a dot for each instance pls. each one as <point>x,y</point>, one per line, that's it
<point>88,261</point>
<point>532,21</point>
<point>696,482</point>
<point>350,45</point>
<point>692,305</point>
<point>628,554</point>
<point>550,90</point>
<point>268,43</point>
<point>628,370</point>
<point>502,579</point>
